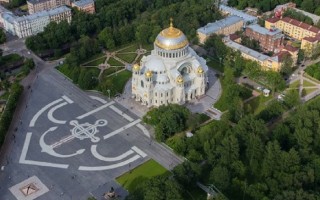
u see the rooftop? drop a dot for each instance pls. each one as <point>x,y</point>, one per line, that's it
<point>279,57</point>
<point>264,31</point>
<point>82,3</point>
<point>215,26</point>
<point>273,19</point>
<point>234,36</point>
<point>44,13</point>
<point>291,48</point>
<point>246,50</point>
<point>232,11</point>
<point>301,24</point>
<point>37,1</point>
<point>312,39</point>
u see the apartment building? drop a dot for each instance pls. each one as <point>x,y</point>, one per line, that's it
<point>225,26</point>
<point>266,62</point>
<point>84,6</point>
<point>293,28</point>
<point>248,19</point>
<point>41,5</point>
<point>269,39</point>
<point>8,22</point>
<point>33,24</point>
<point>308,44</point>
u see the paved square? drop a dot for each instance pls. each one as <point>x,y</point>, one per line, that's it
<point>76,143</point>
<point>29,189</point>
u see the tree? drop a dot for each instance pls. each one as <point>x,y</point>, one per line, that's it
<point>292,98</point>
<point>220,177</point>
<point>3,37</point>
<point>106,38</point>
<point>307,5</point>
<point>275,81</point>
<point>167,120</point>
<point>143,33</point>
<point>286,65</point>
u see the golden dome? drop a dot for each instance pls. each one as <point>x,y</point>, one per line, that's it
<point>171,38</point>
<point>148,74</point>
<point>136,67</point>
<point>200,70</point>
<point>180,79</point>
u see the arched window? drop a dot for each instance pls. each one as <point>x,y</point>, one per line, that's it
<point>142,84</point>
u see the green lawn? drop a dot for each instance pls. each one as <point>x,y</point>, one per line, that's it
<point>96,62</point>
<point>93,57</point>
<point>138,175</point>
<point>68,72</point>
<point>115,83</point>
<point>307,84</point>
<point>114,62</point>
<point>10,59</point>
<point>295,84</point>
<point>128,57</point>
<point>111,70</point>
<point>257,104</point>
<point>130,48</point>
<point>309,90</point>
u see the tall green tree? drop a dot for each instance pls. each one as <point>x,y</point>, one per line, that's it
<point>3,36</point>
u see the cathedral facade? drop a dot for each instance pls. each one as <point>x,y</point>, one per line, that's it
<point>173,73</point>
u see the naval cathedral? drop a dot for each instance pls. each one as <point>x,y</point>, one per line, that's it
<point>173,73</point>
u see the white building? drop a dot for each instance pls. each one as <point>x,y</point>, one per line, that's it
<point>8,22</point>
<point>33,24</point>
<point>173,73</point>
<point>248,19</point>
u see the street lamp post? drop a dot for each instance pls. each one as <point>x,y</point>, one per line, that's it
<point>108,92</point>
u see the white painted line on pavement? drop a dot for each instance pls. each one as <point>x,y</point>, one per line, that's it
<point>109,159</point>
<point>23,155</point>
<point>50,114</point>
<point>139,151</point>
<point>98,99</point>
<point>95,110</point>
<point>63,140</point>
<point>127,117</point>
<point>144,130</point>
<point>99,168</point>
<point>67,99</point>
<point>121,129</point>
<point>37,115</point>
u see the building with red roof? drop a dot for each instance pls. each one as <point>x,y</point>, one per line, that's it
<point>292,27</point>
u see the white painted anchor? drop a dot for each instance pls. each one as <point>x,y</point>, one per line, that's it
<point>49,150</point>
<point>86,130</point>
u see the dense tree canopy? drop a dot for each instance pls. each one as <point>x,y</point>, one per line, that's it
<point>120,22</point>
<point>267,5</point>
<point>167,120</point>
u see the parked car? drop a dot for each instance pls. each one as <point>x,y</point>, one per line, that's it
<point>260,88</point>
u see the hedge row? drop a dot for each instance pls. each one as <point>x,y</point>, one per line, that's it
<point>6,117</point>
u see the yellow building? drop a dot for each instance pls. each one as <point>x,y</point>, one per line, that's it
<point>293,28</point>
<point>225,26</point>
<point>266,62</point>
<point>308,44</point>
